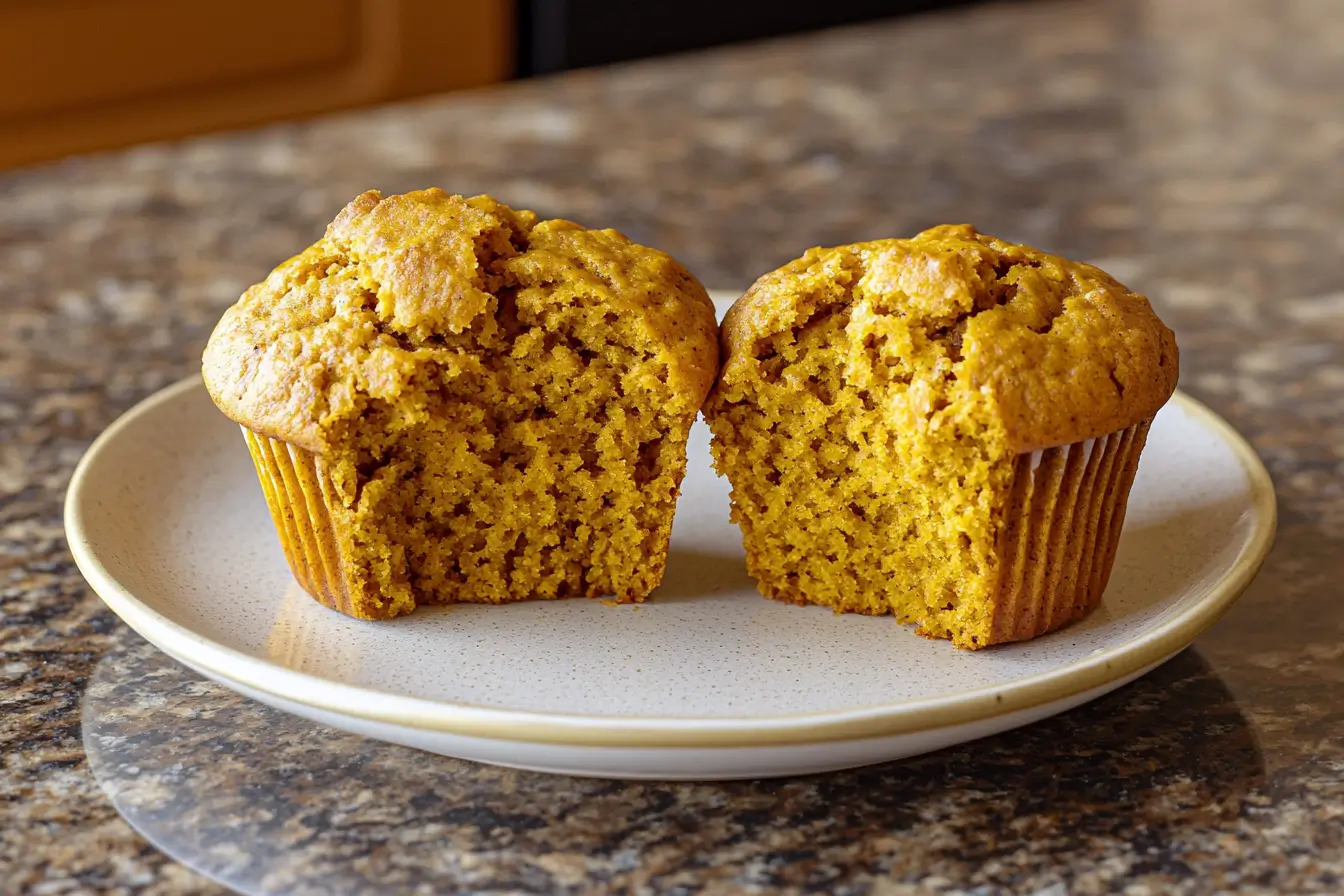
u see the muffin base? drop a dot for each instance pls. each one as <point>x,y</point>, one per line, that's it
<point>304,504</point>
<point>1055,553</point>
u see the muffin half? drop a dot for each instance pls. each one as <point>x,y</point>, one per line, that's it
<point>448,400</point>
<point>944,428</point>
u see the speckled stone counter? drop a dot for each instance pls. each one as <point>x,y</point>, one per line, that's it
<point>1192,147</point>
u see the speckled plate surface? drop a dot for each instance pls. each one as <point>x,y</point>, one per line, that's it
<point>707,680</point>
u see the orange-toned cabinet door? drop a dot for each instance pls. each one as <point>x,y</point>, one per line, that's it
<point>77,75</point>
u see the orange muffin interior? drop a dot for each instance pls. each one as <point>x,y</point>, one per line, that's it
<point>871,454</point>
<point>498,407</point>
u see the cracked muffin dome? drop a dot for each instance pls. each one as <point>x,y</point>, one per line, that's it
<point>943,428</point>
<point>448,400</point>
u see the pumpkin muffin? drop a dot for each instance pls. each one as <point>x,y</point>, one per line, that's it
<point>944,428</point>
<point>448,400</point>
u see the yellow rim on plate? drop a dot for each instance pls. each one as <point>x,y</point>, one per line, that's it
<point>1058,684</point>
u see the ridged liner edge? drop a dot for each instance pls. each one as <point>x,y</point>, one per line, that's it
<point>298,493</point>
<point>1063,521</point>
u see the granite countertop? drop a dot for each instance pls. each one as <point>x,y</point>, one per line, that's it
<point>1192,147</point>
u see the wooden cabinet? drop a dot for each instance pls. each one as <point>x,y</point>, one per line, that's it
<point>78,75</point>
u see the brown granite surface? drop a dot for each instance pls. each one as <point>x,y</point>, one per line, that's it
<point>1193,147</point>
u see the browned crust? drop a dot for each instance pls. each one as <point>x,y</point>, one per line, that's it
<point>1104,361</point>
<point>277,362</point>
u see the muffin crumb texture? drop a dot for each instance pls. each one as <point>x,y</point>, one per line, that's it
<point>943,428</point>
<point>450,401</point>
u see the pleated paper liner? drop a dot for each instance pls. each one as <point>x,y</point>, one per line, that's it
<point>299,495</point>
<point>1065,512</point>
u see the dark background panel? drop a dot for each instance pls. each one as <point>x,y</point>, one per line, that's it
<point>560,34</point>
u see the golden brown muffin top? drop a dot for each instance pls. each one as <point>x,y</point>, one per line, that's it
<point>1066,352</point>
<point>400,282</point>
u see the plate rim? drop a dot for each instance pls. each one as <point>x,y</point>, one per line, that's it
<point>573,729</point>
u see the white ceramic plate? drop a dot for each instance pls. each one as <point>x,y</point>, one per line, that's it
<point>707,680</point>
